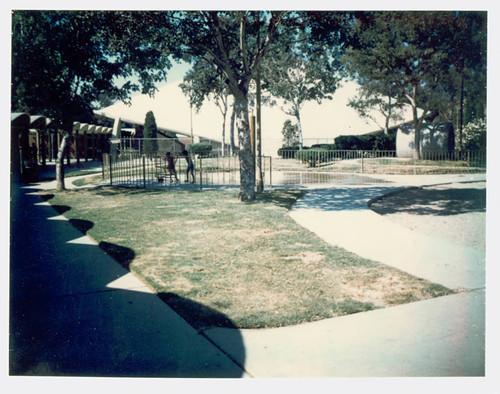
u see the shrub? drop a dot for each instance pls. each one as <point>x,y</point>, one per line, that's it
<point>324,146</point>
<point>366,142</point>
<point>384,142</point>
<point>474,135</point>
<point>201,148</point>
<point>314,156</point>
<point>287,152</point>
<point>150,134</point>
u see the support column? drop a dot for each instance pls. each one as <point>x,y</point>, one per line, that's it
<point>86,146</point>
<point>93,146</point>
<point>115,137</point>
<point>77,147</point>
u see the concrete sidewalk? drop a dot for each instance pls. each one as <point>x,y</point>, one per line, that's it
<point>75,311</point>
<point>341,216</point>
<point>437,337</point>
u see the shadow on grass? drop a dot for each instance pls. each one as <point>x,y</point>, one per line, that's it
<point>197,315</point>
<point>282,198</point>
<point>61,209</point>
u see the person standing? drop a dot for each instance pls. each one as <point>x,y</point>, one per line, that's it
<point>190,165</point>
<point>171,166</point>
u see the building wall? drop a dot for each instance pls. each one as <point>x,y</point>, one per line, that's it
<point>434,138</point>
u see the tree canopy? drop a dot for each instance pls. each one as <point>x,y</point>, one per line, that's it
<point>297,76</point>
<point>413,55</point>
<point>65,62</point>
<point>236,43</point>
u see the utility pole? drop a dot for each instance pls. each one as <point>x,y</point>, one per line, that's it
<point>258,162</point>
<point>191,115</point>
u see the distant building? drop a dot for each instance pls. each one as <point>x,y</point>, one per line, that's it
<point>434,138</point>
<point>129,133</point>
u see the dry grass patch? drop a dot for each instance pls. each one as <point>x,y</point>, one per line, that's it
<point>209,255</point>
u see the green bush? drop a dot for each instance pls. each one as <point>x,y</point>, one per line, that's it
<point>201,148</point>
<point>313,157</point>
<point>150,134</point>
<point>287,152</point>
<point>324,146</point>
<point>384,142</point>
<point>474,135</point>
<point>366,142</point>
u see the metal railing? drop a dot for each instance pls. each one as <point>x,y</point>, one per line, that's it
<point>380,162</point>
<point>150,170</point>
<point>130,168</point>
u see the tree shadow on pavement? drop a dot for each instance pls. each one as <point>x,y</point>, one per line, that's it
<point>197,315</point>
<point>433,201</point>
<point>341,199</point>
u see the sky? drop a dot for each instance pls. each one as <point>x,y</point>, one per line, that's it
<point>321,123</point>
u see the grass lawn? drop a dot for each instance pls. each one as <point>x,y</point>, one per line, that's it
<point>88,180</point>
<point>209,255</point>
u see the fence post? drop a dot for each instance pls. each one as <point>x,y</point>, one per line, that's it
<point>144,171</point>
<point>201,174</point>
<point>362,161</point>
<point>103,161</point>
<point>270,172</point>
<point>110,170</point>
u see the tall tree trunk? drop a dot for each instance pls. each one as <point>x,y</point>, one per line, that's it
<point>461,114</point>
<point>60,162</point>
<point>299,129</point>
<point>247,164</point>
<point>387,118</point>
<point>224,136</point>
<point>416,123</point>
<point>231,130</point>
<point>258,164</point>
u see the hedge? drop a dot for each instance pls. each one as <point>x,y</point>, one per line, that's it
<point>315,156</point>
<point>366,142</point>
<point>287,152</point>
<point>201,148</point>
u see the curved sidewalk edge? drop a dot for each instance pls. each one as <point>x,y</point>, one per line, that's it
<point>341,216</point>
<point>438,337</point>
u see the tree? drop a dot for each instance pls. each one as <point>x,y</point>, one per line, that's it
<point>298,75</point>
<point>290,133</point>
<point>226,40</point>
<point>92,49</point>
<point>407,52</point>
<point>64,62</point>
<point>474,137</point>
<point>236,43</point>
<point>369,99</point>
<point>150,134</point>
<point>468,56</point>
<point>204,82</point>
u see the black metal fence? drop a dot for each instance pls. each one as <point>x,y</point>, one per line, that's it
<point>130,168</point>
<point>380,162</point>
<point>151,170</point>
